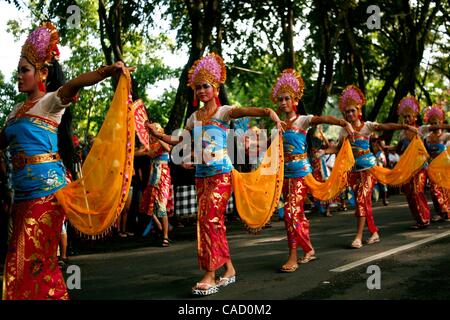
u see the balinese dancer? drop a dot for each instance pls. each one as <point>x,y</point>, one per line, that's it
<point>31,133</point>
<point>362,179</point>
<point>209,127</point>
<point>156,194</point>
<point>287,92</point>
<point>436,142</point>
<point>409,109</point>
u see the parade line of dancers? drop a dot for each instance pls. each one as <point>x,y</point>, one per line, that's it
<point>37,134</point>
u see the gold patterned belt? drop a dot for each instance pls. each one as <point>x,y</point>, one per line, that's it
<point>20,160</point>
<point>294,157</point>
<point>359,153</point>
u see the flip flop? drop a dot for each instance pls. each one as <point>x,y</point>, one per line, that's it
<point>373,240</point>
<point>356,244</point>
<point>307,259</point>
<point>288,270</point>
<point>204,289</point>
<point>224,281</point>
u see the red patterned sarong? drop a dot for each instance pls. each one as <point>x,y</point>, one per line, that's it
<point>31,267</point>
<point>297,225</point>
<point>415,195</point>
<point>156,195</point>
<point>441,200</point>
<point>212,198</point>
<point>362,183</point>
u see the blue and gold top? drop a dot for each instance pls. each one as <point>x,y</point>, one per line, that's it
<point>29,138</point>
<point>435,149</point>
<point>437,144</point>
<point>295,148</point>
<point>33,144</point>
<point>210,143</point>
<point>364,158</point>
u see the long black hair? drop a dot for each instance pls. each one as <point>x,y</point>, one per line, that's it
<point>55,80</point>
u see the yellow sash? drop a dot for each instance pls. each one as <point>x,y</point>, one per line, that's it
<point>257,193</point>
<point>337,181</point>
<point>439,170</point>
<point>409,164</point>
<point>93,202</point>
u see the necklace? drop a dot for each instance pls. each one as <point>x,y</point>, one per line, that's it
<point>204,114</point>
<point>291,120</point>
<point>358,128</point>
<point>26,106</point>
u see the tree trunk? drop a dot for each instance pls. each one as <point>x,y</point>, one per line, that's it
<point>286,14</point>
<point>203,16</point>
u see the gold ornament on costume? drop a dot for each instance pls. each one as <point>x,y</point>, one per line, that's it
<point>289,82</point>
<point>210,69</point>
<point>41,45</point>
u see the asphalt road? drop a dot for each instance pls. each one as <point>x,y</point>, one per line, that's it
<point>410,264</point>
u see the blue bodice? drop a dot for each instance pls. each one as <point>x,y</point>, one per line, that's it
<point>210,143</point>
<point>29,136</point>
<point>295,145</point>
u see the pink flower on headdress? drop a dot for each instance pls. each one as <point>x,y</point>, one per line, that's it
<point>289,82</point>
<point>434,111</point>
<point>408,104</point>
<point>41,45</point>
<point>351,95</point>
<point>210,69</point>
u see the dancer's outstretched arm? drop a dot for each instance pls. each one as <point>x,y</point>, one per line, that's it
<point>257,112</point>
<point>169,139</point>
<point>335,121</point>
<point>396,126</point>
<point>71,88</point>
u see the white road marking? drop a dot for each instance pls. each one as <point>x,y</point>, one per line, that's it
<point>391,252</point>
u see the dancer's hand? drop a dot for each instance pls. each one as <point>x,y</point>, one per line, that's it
<point>153,129</point>
<point>350,131</point>
<point>412,129</point>
<point>278,122</point>
<point>119,67</point>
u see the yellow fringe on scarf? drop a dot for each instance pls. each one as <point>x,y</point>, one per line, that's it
<point>337,181</point>
<point>410,162</point>
<point>93,202</point>
<point>439,170</point>
<point>257,193</point>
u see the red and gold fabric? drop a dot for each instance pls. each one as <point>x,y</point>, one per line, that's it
<point>297,225</point>
<point>212,198</point>
<point>415,196</point>
<point>362,183</point>
<point>441,200</point>
<point>31,267</point>
<point>157,193</point>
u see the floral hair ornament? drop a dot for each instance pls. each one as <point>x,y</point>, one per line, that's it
<point>289,82</point>
<point>407,105</point>
<point>210,69</point>
<point>41,47</point>
<point>434,111</point>
<point>353,96</point>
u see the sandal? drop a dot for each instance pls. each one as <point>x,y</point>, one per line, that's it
<point>204,289</point>
<point>165,243</point>
<point>224,281</point>
<point>356,244</point>
<point>288,270</point>
<point>373,240</point>
<point>307,258</point>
